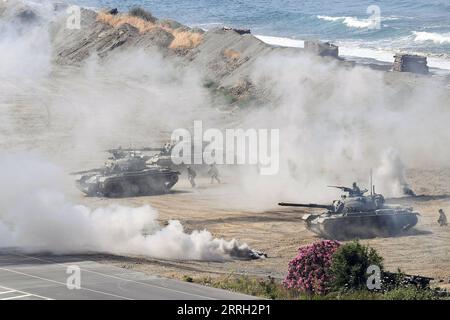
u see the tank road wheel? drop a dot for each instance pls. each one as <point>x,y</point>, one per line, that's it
<point>114,190</point>
<point>146,187</point>
<point>130,189</point>
<point>121,189</point>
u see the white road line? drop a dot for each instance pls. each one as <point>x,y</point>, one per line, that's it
<point>3,292</point>
<point>64,284</point>
<point>26,293</point>
<point>17,297</point>
<point>120,278</point>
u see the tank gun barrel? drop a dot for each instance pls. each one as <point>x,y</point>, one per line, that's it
<point>85,172</point>
<point>305,205</point>
<point>135,149</point>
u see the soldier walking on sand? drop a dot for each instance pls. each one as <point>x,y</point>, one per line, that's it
<point>191,175</point>
<point>214,173</point>
<point>442,218</point>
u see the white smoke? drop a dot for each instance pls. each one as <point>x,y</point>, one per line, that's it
<point>25,49</point>
<point>132,98</point>
<point>36,216</point>
<point>337,123</point>
<point>390,175</point>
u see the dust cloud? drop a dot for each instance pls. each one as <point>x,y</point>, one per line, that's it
<point>337,123</point>
<point>36,217</point>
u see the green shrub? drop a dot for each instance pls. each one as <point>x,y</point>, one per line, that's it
<point>268,288</point>
<point>410,293</point>
<point>349,266</point>
<point>142,13</point>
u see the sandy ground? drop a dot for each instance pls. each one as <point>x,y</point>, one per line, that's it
<point>279,232</point>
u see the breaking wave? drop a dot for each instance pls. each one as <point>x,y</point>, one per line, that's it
<point>350,22</point>
<point>434,37</point>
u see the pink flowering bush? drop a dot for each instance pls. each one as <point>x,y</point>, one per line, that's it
<point>309,272</point>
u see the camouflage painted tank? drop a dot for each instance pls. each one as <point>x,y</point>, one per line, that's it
<point>126,174</point>
<point>358,216</point>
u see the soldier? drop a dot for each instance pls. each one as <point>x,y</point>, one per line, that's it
<point>442,218</point>
<point>355,191</point>
<point>191,175</point>
<point>214,173</point>
<point>167,148</point>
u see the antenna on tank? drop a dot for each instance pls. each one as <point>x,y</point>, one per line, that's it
<point>371,185</point>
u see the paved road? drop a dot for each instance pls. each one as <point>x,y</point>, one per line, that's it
<point>37,277</point>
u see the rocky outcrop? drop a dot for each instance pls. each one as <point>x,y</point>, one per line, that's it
<point>73,46</point>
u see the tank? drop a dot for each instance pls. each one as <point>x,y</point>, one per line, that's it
<point>127,173</point>
<point>356,215</point>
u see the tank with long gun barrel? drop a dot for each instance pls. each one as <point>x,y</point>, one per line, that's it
<point>358,216</point>
<point>127,173</point>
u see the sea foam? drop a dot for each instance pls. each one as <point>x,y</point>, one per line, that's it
<point>437,38</point>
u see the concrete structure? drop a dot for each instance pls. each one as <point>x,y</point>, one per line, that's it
<point>410,63</point>
<point>324,49</point>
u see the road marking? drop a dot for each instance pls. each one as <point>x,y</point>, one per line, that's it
<point>64,284</point>
<point>23,294</point>
<point>17,297</point>
<point>119,278</point>
<point>3,292</point>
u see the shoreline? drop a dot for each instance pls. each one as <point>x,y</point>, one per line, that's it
<point>357,54</point>
<point>361,55</point>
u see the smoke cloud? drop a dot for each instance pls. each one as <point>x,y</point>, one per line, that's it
<point>132,97</point>
<point>36,216</point>
<point>337,123</point>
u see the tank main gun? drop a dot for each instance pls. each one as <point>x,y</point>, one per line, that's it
<point>306,205</point>
<point>145,149</point>
<point>85,172</point>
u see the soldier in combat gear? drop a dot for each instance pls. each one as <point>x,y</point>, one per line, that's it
<point>356,191</point>
<point>442,218</point>
<point>191,175</point>
<point>214,173</point>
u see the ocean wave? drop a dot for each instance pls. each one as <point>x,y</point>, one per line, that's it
<point>437,38</point>
<point>282,42</point>
<point>328,18</point>
<point>351,22</point>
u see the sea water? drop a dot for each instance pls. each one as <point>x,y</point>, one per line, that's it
<point>414,26</point>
